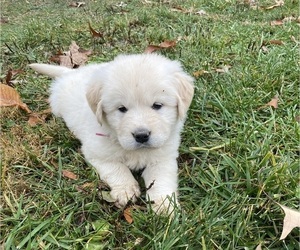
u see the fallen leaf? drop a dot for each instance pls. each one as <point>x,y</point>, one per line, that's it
<point>73,58</point>
<point>65,60</point>
<point>56,57</point>
<point>163,45</point>
<point>276,23</point>
<point>189,11</point>
<point>70,175</point>
<point>10,97</point>
<point>94,32</point>
<point>105,195</point>
<point>276,42</point>
<point>34,119</point>
<point>179,9</point>
<point>127,215</point>
<point>88,185</point>
<point>291,220</point>
<point>200,73</point>
<point>274,102</point>
<point>10,74</point>
<point>167,44</point>
<point>151,48</point>
<point>101,230</point>
<point>38,118</point>
<point>77,57</point>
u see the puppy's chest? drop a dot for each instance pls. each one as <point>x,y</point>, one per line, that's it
<point>136,161</point>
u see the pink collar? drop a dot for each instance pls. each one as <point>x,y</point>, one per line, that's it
<point>100,134</point>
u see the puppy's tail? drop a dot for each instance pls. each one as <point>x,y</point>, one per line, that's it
<point>49,70</point>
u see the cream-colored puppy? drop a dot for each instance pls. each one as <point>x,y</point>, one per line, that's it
<point>128,114</point>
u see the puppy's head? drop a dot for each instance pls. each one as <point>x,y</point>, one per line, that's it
<point>142,98</point>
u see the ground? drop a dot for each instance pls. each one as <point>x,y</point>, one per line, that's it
<point>239,156</point>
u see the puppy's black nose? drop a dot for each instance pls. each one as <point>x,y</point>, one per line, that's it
<point>141,136</point>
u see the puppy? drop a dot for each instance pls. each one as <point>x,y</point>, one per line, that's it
<point>128,114</point>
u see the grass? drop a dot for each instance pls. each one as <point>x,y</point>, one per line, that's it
<point>238,157</point>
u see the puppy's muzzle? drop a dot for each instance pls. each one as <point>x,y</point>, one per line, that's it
<point>141,135</point>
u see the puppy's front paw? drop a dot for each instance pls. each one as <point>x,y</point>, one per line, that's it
<point>122,194</point>
<point>164,206</point>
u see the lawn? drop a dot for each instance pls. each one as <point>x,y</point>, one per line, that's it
<point>239,156</point>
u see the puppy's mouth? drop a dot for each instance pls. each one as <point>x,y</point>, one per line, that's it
<point>143,145</point>
<point>139,146</point>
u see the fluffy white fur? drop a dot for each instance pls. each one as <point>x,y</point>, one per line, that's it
<point>128,114</point>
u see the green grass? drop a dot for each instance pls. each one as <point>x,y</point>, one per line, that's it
<point>245,157</point>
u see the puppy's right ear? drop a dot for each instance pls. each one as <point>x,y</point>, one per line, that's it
<point>93,96</point>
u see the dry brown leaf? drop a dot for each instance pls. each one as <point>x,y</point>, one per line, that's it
<point>291,220</point>
<point>274,102</point>
<point>10,74</point>
<point>38,118</point>
<point>65,60</point>
<point>10,97</point>
<point>188,11</point>
<point>127,215</point>
<point>77,57</point>
<point>163,45</point>
<point>34,119</point>
<point>151,48</point>
<point>179,9</point>
<point>73,58</point>
<point>88,185</point>
<point>70,175</point>
<point>94,32</point>
<point>276,23</point>
<point>167,44</point>
<point>55,58</point>
<point>200,73</point>
<point>276,42</point>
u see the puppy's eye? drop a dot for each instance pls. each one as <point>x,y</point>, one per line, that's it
<point>157,106</point>
<point>122,109</point>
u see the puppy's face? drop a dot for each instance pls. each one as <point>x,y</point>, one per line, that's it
<point>142,98</point>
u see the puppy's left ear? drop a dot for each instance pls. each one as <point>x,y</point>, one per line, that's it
<point>185,88</point>
<point>93,96</point>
